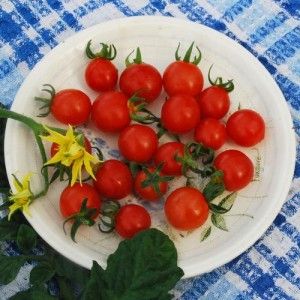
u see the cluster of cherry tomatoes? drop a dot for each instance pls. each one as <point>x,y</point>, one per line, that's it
<point>187,109</point>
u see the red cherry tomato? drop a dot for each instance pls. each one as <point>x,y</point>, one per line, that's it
<point>72,197</point>
<point>166,154</point>
<point>180,113</point>
<point>142,79</point>
<point>131,219</point>
<point>110,111</point>
<point>214,102</point>
<point>113,179</point>
<point>71,106</point>
<point>149,192</point>
<point>186,208</point>
<point>182,77</point>
<point>246,127</point>
<point>211,133</point>
<point>237,168</point>
<point>55,147</point>
<point>101,75</point>
<point>138,143</point>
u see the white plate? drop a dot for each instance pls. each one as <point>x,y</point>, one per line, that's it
<point>158,37</point>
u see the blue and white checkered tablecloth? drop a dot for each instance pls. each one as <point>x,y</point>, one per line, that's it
<point>268,29</point>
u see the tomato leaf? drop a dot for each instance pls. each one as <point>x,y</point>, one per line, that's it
<point>8,230</point>
<point>205,234</point>
<point>228,201</point>
<point>214,187</point>
<point>26,238</point>
<point>65,290</point>
<point>36,293</point>
<point>10,266</point>
<point>146,259</point>
<point>219,221</point>
<point>41,273</point>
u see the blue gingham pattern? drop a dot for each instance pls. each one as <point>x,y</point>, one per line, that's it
<point>270,30</point>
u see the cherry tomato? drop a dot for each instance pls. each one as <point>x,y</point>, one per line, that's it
<point>166,154</point>
<point>186,208</point>
<point>72,197</point>
<point>55,147</point>
<point>71,106</point>
<point>131,219</point>
<point>246,127</point>
<point>138,143</point>
<point>101,75</point>
<point>182,77</point>
<point>141,79</point>
<point>180,114</point>
<point>149,192</point>
<point>110,111</point>
<point>214,102</point>
<point>211,133</point>
<point>113,179</point>
<point>237,168</point>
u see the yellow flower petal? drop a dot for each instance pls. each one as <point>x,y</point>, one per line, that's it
<point>76,171</point>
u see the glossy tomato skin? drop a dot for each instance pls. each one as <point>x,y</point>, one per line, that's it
<point>131,219</point>
<point>149,193</point>
<point>211,133</point>
<point>144,80</point>
<point>166,154</point>
<point>87,146</point>
<point>237,168</point>
<point>180,113</point>
<point>110,112</point>
<point>182,78</point>
<point>186,208</point>
<point>214,102</point>
<point>113,179</point>
<point>246,127</point>
<point>71,107</point>
<point>138,143</point>
<point>72,196</point>
<point>101,75</point>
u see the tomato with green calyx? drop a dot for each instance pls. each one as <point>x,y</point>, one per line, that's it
<point>183,76</point>
<point>110,112</point>
<point>214,101</point>
<point>246,127</point>
<point>186,208</point>
<point>140,79</point>
<point>81,204</point>
<point>237,168</point>
<point>168,154</point>
<point>180,113</point>
<point>113,179</point>
<point>68,106</point>
<point>101,74</point>
<point>138,143</point>
<point>211,133</point>
<point>150,183</point>
<point>131,219</point>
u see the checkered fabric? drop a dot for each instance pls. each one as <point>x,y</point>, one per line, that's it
<point>270,30</point>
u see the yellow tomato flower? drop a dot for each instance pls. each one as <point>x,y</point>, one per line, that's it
<point>23,196</point>
<point>71,153</point>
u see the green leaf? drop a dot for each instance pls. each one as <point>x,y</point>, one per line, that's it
<point>228,201</point>
<point>75,273</point>
<point>217,208</point>
<point>219,221</point>
<point>42,273</point>
<point>26,238</point>
<point>205,234</point>
<point>65,290</point>
<point>147,259</point>
<point>8,230</point>
<point>10,266</point>
<point>214,187</point>
<point>34,293</point>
